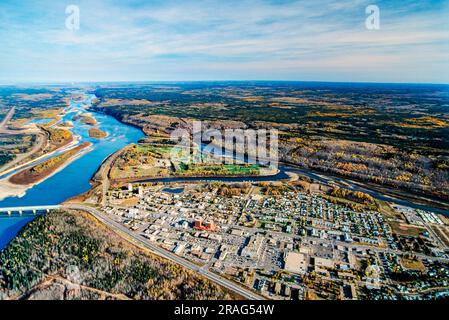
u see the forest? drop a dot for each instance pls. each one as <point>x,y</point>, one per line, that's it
<point>74,251</point>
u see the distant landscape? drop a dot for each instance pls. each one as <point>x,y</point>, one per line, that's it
<point>394,135</point>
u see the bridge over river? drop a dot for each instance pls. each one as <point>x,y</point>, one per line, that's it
<point>34,209</point>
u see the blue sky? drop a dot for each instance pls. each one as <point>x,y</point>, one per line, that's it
<point>316,40</point>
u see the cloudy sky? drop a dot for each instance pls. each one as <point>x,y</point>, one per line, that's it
<point>136,40</point>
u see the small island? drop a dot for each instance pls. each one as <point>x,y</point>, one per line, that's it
<point>97,133</point>
<point>88,119</point>
<point>66,124</point>
<point>85,118</point>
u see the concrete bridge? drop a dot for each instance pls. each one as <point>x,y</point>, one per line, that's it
<point>33,209</point>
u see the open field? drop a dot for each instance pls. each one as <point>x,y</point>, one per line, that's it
<point>412,264</point>
<point>218,170</point>
<point>405,229</point>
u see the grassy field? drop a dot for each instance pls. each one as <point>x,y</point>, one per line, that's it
<point>405,229</point>
<point>226,169</point>
<point>412,264</point>
<point>155,151</point>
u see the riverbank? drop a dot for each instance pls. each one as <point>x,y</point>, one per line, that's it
<point>12,189</point>
<point>378,191</point>
<point>41,140</point>
<point>44,169</point>
<point>74,142</point>
<point>8,189</point>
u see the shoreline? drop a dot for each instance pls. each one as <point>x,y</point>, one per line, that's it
<point>30,163</point>
<point>386,191</point>
<point>9,189</point>
<point>68,146</point>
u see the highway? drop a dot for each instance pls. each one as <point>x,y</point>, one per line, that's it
<point>41,140</point>
<point>4,124</point>
<point>143,242</point>
<point>7,118</point>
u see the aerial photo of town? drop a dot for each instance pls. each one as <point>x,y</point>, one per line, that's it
<point>215,188</point>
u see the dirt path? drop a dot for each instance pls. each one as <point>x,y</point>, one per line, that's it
<point>56,279</point>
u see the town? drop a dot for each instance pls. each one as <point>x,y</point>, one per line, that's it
<point>291,245</point>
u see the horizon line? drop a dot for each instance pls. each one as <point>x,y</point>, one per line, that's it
<point>14,83</point>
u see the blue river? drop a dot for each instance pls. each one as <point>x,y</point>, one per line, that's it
<point>74,178</point>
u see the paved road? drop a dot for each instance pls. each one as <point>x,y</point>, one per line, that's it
<point>4,124</point>
<point>166,254</point>
<point>36,147</point>
<point>103,175</point>
<point>40,142</point>
<point>7,118</point>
